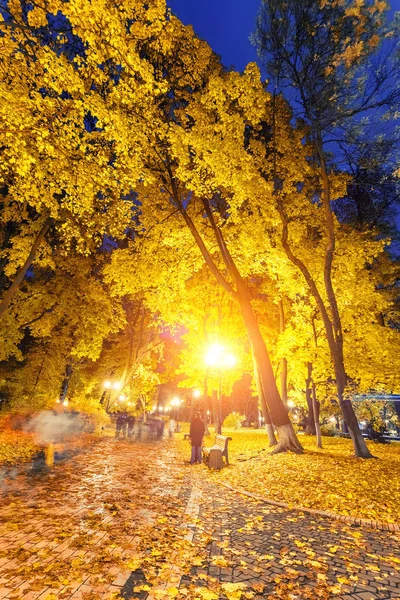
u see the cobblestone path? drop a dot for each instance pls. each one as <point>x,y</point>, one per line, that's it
<point>80,530</point>
<point>277,550</point>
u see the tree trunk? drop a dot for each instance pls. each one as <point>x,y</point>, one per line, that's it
<point>310,422</point>
<point>283,364</point>
<point>316,407</point>
<point>278,412</point>
<point>264,408</point>
<point>14,287</point>
<point>65,383</point>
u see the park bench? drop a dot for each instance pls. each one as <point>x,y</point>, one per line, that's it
<point>213,456</point>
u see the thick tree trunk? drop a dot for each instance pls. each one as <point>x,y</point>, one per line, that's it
<point>277,410</point>
<point>264,407</point>
<point>14,287</point>
<point>360,447</point>
<point>283,364</point>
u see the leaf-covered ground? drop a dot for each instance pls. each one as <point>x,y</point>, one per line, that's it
<point>125,519</point>
<point>328,479</point>
<point>16,446</point>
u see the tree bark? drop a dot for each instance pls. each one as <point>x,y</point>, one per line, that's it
<point>65,383</point>
<point>310,423</point>
<point>283,365</point>
<point>260,392</point>
<point>278,412</point>
<point>13,288</point>
<point>316,407</point>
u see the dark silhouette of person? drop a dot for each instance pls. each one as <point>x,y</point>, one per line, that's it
<point>197,429</point>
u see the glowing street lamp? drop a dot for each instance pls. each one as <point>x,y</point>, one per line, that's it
<point>196,393</point>
<point>218,357</point>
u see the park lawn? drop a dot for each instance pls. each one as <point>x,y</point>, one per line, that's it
<point>328,479</point>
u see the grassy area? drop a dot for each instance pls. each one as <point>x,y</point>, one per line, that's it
<point>327,479</point>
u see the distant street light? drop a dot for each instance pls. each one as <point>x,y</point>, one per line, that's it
<point>109,386</point>
<point>218,357</point>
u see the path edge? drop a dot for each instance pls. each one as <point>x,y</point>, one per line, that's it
<point>322,513</point>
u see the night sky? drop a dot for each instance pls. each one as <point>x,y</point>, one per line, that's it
<point>226,25</point>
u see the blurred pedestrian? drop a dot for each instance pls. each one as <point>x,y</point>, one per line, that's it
<point>197,429</point>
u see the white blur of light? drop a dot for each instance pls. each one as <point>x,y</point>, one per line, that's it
<point>363,423</point>
<point>229,361</point>
<point>107,384</point>
<point>217,356</point>
<point>161,409</point>
<point>208,412</point>
<point>196,393</point>
<point>332,419</point>
<point>117,385</point>
<point>176,401</point>
<point>167,408</point>
<point>214,355</point>
<point>154,408</point>
<point>290,404</point>
<point>122,397</point>
<point>65,403</point>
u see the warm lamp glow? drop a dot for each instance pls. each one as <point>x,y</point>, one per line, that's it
<point>122,397</point>
<point>217,356</point>
<point>290,404</point>
<point>196,393</point>
<point>117,385</point>
<point>229,360</point>
<point>213,355</point>
<point>176,401</point>
<point>107,385</point>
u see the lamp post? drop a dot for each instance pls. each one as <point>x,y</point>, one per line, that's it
<point>218,357</point>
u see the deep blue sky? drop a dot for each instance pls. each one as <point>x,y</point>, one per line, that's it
<point>225,24</point>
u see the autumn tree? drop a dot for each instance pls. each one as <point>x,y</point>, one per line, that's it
<point>323,50</point>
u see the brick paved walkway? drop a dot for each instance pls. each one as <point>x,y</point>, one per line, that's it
<point>276,550</point>
<point>80,531</point>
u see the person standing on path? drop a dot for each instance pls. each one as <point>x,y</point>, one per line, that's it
<point>197,429</point>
